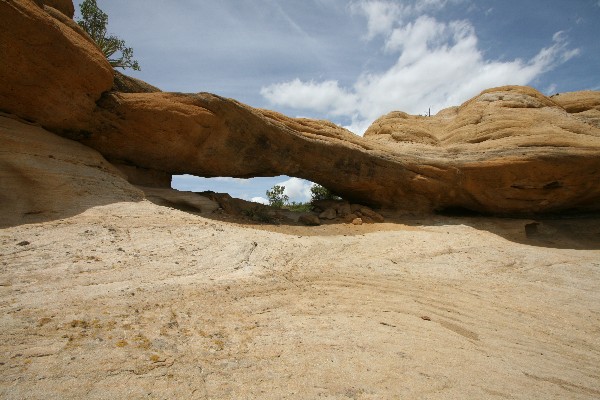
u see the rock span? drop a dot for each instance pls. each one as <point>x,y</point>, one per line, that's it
<point>507,150</point>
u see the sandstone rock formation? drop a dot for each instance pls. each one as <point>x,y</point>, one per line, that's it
<point>44,176</point>
<point>181,200</point>
<point>127,84</point>
<point>309,220</point>
<point>507,150</point>
<point>514,150</point>
<point>584,105</point>
<point>51,71</point>
<point>64,6</point>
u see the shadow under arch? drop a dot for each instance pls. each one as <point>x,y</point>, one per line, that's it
<point>567,231</point>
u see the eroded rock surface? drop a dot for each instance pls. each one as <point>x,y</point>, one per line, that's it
<point>44,176</point>
<point>51,72</point>
<point>507,150</point>
<point>584,105</point>
<point>514,150</point>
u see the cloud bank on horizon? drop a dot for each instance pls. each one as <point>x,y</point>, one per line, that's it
<point>438,64</point>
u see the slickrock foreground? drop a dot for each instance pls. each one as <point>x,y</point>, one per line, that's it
<point>132,300</point>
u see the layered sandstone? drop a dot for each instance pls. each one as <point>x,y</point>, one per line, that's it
<point>507,150</point>
<point>51,71</point>
<point>64,6</point>
<point>44,176</point>
<point>584,105</point>
<point>514,149</point>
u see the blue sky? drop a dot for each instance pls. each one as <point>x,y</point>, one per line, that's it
<point>351,61</point>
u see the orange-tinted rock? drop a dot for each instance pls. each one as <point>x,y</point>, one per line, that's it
<point>64,6</point>
<point>44,176</point>
<point>309,220</point>
<point>51,72</point>
<point>513,150</point>
<point>584,105</point>
<point>207,135</point>
<point>127,84</point>
<point>507,150</point>
<point>576,102</point>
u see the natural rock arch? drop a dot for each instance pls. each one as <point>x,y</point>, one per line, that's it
<point>507,150</point>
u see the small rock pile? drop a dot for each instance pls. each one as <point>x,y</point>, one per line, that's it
<point>356,214</point>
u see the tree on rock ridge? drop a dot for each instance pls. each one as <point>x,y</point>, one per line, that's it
<point>94,22</point>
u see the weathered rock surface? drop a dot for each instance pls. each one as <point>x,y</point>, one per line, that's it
<point>136,301</point>
<point>309,219</point>
<point>127,84</point>
<point>584,105</point>
<point>512,148</point>
<point>64,6</point>
<point>51,72</point>
<point>181,200</point>
<point>507,150</point>
<point>329,213</point>
<point>44,176</point>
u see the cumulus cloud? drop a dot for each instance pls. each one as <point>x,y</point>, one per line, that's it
<point>312,96</point>
<point>297,189</point>
<point>260,200</point>
<point>438,65</point>
<point>381,15</point>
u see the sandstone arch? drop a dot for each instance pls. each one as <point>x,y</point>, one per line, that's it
<point>507,150</point>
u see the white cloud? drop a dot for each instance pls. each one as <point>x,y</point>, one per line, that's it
<point>227,179</point>
<point>439,64</point>
<point>381,15</point>
<point>260,200</point>
<point>297,189</point>
<point>422,6</point>
<point>312,96</point>
<point>550,90</point>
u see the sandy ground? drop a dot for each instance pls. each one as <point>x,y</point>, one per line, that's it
<point>133,300</point>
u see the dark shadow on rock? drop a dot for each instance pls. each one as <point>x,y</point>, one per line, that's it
<point>570,231</point>
<point>44,177</point>
<point>573,231</point>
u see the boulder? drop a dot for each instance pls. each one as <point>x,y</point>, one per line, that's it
<point>330,213</point>
<point>349,218</point>
<point>344,209</point>
<point>309,219</point>
<point>324,204</point>
<point>366,211</point>
<point>51,71</point>
<point>357,221</point>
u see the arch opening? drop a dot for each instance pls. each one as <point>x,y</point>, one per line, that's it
<point>251,189</point>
